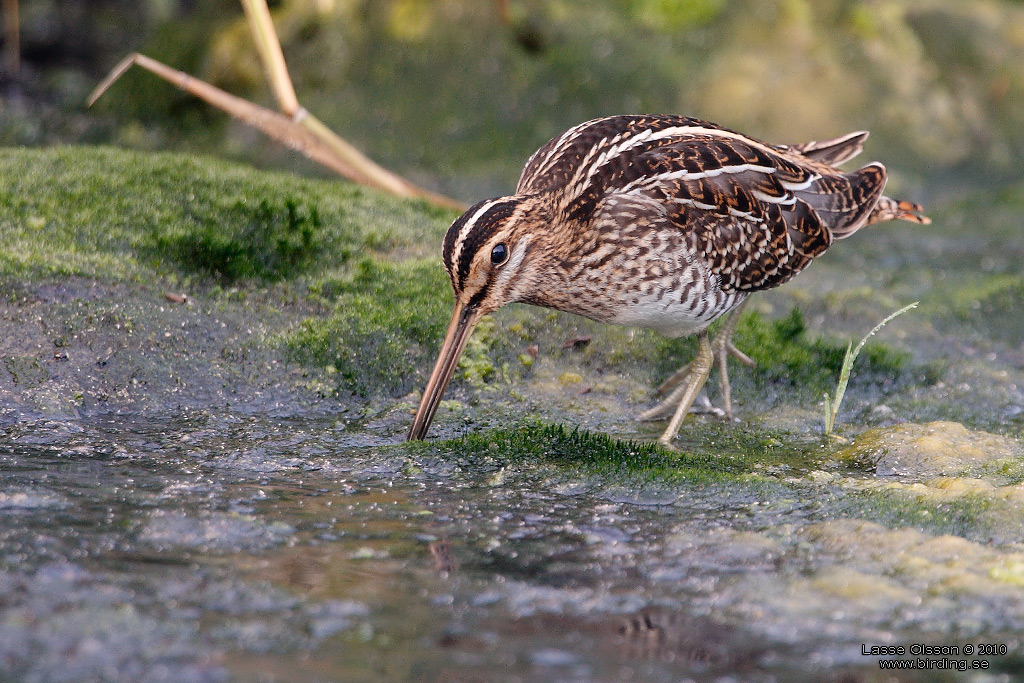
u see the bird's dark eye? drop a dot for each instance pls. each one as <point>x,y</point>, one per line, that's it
<point>499,254</point>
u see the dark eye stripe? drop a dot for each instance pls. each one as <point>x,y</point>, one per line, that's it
<point>478,297</point>
<point>452,236</point>
<point>478,233</point>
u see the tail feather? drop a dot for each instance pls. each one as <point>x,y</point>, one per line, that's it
<point>835,151</point>
<point>863,192</point>
<point>889,209</point>
<point>865,204</point>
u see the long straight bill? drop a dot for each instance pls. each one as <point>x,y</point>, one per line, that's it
<point>462,324</point>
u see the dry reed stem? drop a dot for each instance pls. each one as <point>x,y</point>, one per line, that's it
<point>296,127</point>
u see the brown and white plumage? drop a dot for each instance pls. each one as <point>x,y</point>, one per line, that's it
<point>664,222</point>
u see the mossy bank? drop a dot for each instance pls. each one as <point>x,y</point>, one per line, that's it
<point>159,281</point>
<point>156,283</point>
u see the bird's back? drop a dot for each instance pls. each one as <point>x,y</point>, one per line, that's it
<point>756,213</point>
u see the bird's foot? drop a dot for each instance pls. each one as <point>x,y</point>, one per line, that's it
<point>685,395</point>
<point>721,348</point>
<point>701,406</point>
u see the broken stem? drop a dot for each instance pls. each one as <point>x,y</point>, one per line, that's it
<point>269,47</point>
<point>302,131</point>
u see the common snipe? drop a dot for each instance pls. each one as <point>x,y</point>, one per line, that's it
<point>663,222</point>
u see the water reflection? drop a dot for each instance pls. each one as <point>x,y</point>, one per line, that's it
<point>228,546</point>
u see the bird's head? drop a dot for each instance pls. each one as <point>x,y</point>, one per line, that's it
<point>484,253</point>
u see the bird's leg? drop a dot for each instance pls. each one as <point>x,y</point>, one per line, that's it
<point>674,380</point>
<point>700,368</point>
<point>722,347</point>
<point>667,405</point>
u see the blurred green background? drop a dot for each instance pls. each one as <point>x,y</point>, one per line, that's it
<point>455,94</point>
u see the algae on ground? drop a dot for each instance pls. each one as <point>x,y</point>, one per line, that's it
<point>276,243</point>
<point>347,285</point>
<point>760,522</point>
<point>386,324</point>
<point>771,474</point>
<point>597,454</point>
<point>938,448</point>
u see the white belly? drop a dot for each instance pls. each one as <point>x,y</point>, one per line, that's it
<point>672,317</point>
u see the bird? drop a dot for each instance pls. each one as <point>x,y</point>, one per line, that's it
<point>657,221</point>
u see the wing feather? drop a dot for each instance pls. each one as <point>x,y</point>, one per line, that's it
<point>757,213</point>
<point>832,152</point>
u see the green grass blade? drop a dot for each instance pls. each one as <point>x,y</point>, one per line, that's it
<point>832,407</point>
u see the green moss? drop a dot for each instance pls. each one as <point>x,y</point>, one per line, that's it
<point>476,365</point>
<point>591,453</point>
<point>705,455</point>
<point>272,242</point>
<point>746,460</point>
<point>112,214</point>
<point>789,358</point>
<point>388,321</point>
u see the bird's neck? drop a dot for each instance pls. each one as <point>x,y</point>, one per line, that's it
<point>555,273</point>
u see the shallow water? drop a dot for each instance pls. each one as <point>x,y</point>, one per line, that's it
<point>218,546</point>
